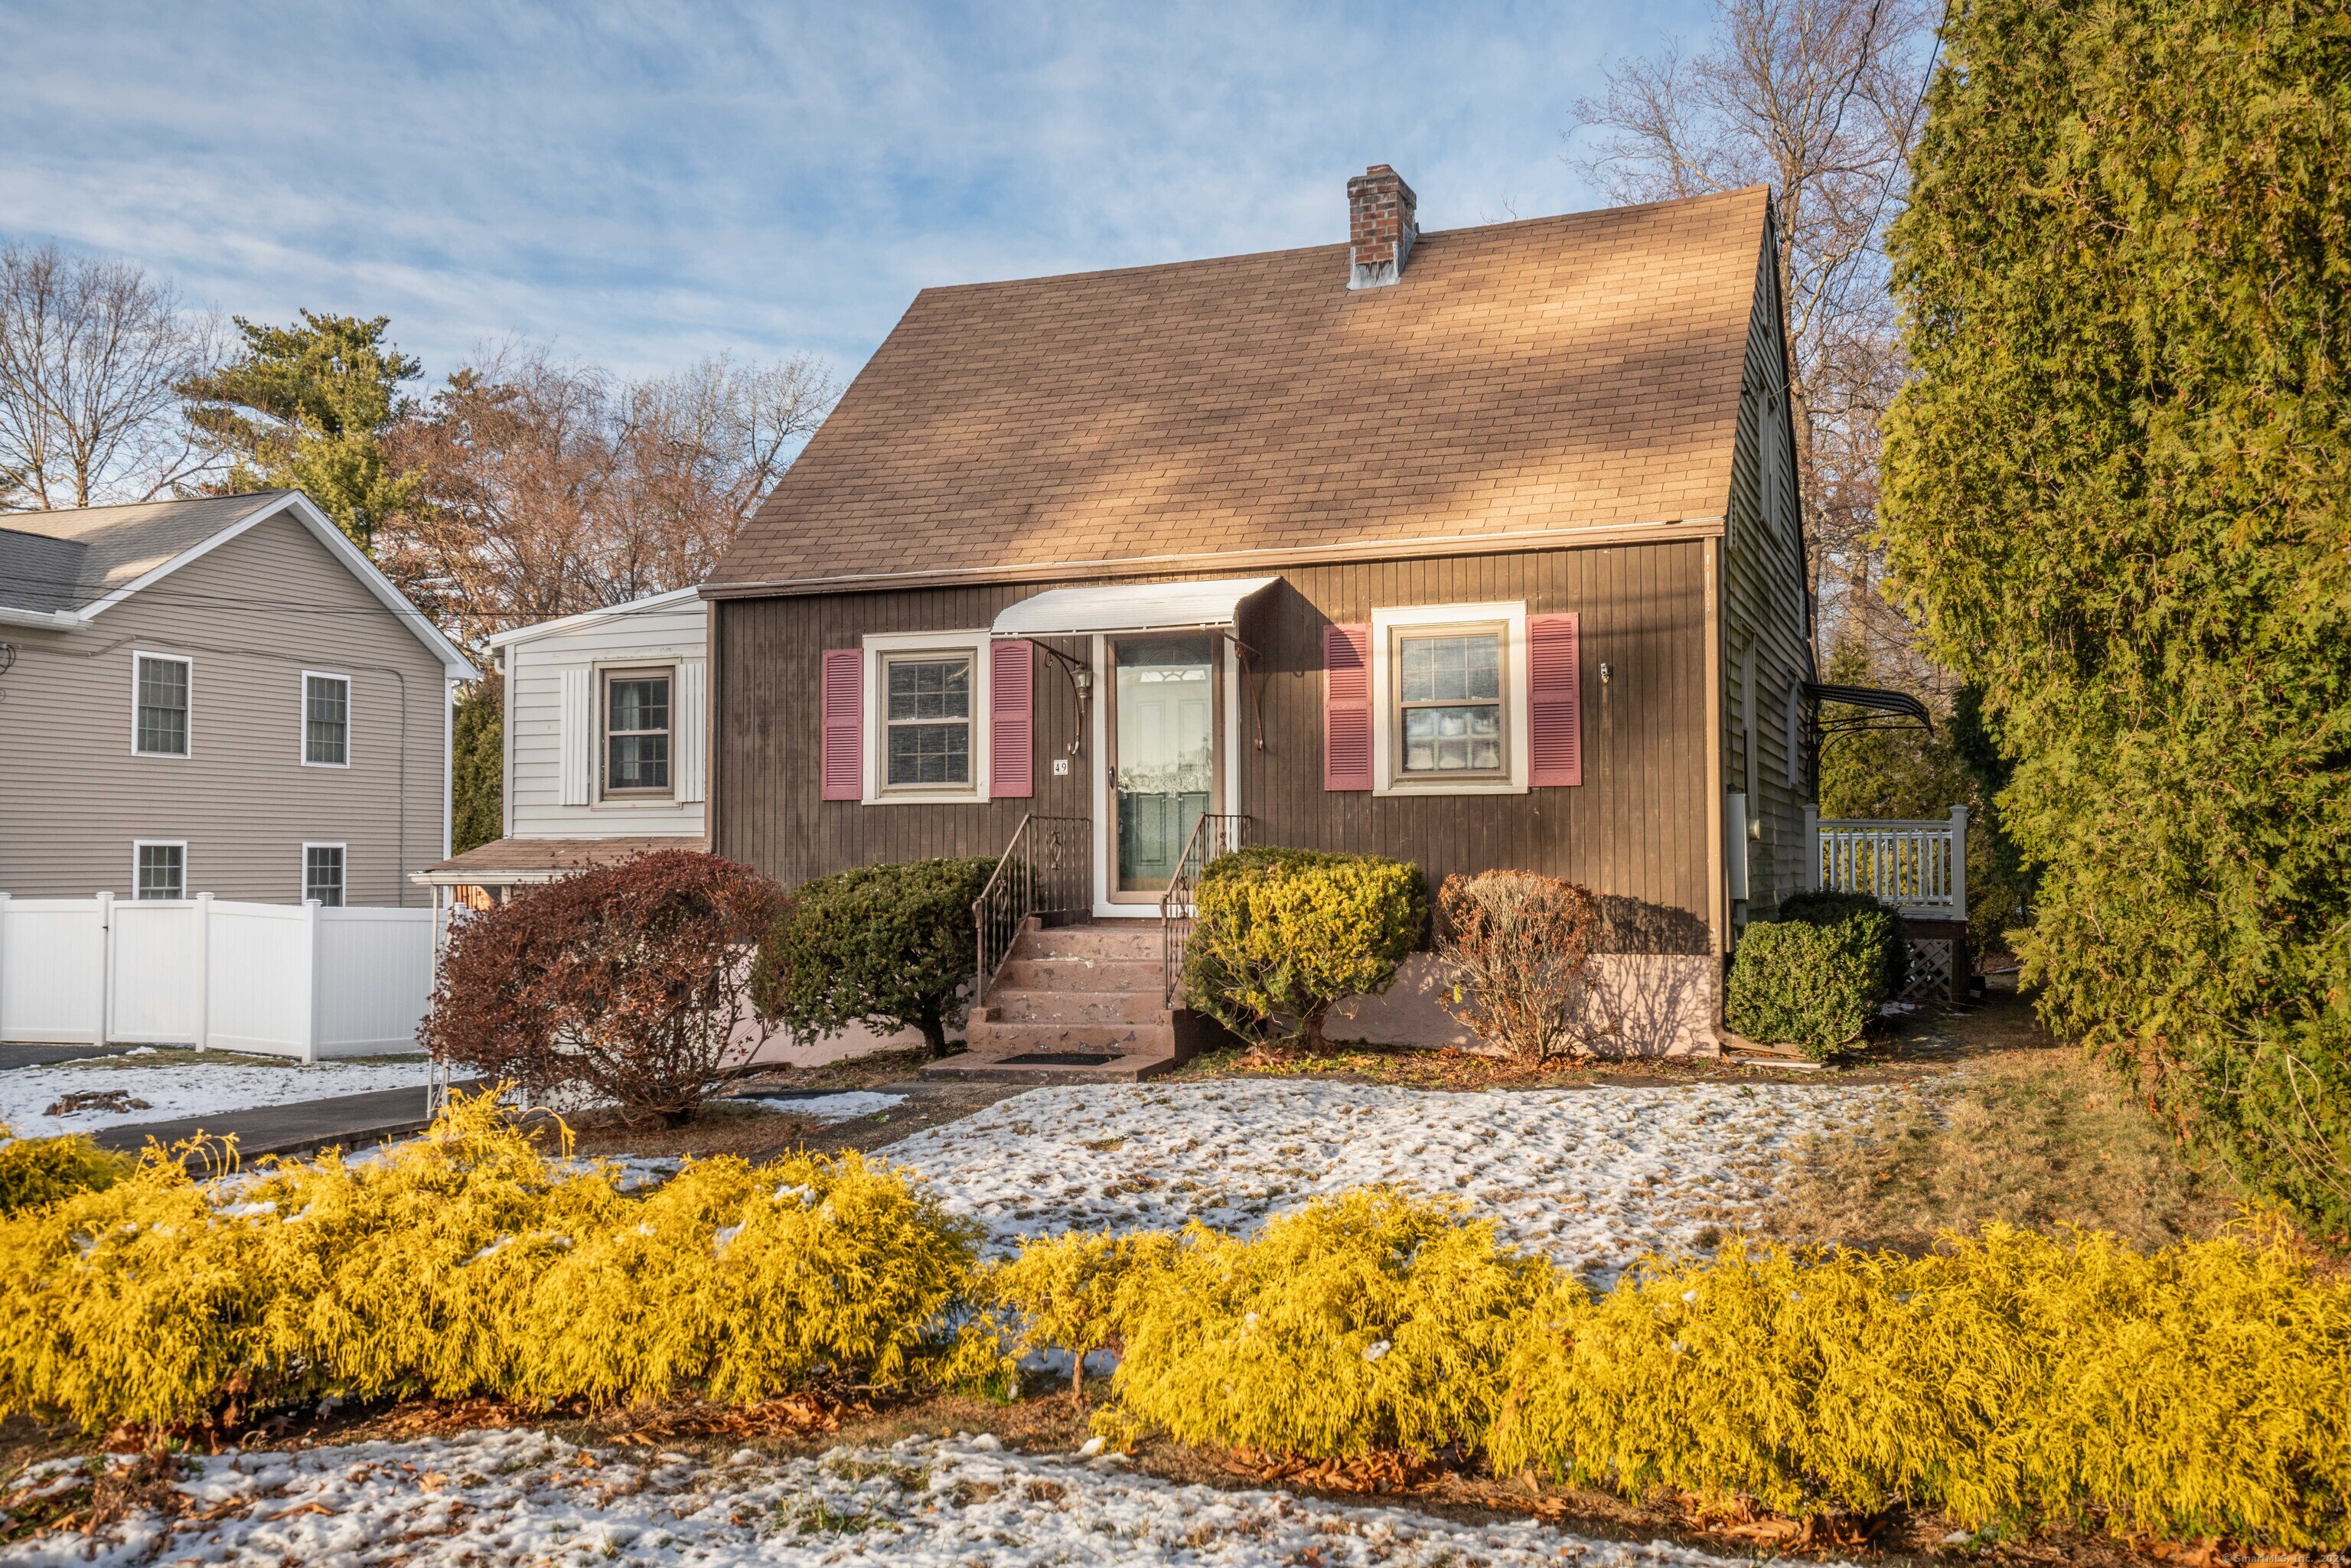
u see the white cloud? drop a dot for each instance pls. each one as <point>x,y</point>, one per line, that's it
<point>647,183</point>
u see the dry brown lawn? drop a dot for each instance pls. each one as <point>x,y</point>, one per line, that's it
<point>2019,1129</point>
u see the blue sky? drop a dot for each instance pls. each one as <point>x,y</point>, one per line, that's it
<point>644,184</point>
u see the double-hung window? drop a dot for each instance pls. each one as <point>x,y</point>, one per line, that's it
<point>637,715</point>
<point>326,721</point>
<point>926,740</point>
<point>1452,715</point>
<point>159,718</point>
<point>322,873</point>
<point>162,870</point>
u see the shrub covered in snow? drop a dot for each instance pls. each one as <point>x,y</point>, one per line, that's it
<point>892,947</point>
<point>1813,977</point>
<point>625,980</point>
<point>1283,935</point>
<point>35,1172</point>
<point>468,1263</point>
<point>1518,942</point>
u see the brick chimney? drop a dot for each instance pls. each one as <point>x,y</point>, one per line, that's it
<point>1380,227</point>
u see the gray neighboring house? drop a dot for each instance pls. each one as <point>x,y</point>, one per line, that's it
<point>216,695</point>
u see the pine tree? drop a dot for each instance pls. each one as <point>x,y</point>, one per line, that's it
<point>306,408</point>
<point>2118,493</point>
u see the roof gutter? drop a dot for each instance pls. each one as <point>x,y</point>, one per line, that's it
<point>1233,561</point>
<point>45,620</point>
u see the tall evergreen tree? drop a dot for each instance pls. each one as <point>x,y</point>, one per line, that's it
<point>306,408</point>
<point>2118,493</point>
<point>477,765</point>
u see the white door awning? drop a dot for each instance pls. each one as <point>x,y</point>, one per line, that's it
<point>1126,607</point>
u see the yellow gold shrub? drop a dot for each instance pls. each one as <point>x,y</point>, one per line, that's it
<point>468,1263</point>
<point>2201,1390</point>
<point>1365,1321</point>
<point>38,1171</point>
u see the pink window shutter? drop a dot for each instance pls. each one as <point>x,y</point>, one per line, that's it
<point>845,724</point>
<point>1346,708</point>
<point>1011,719</point>
<point>1554,705</point>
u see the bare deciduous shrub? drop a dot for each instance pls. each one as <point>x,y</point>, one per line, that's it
<point>1521,942</point>
<point>627,981</point>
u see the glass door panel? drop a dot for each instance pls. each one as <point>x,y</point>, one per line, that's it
<point>1163,755</point>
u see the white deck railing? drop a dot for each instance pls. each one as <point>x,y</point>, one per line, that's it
<point>1920,868</point>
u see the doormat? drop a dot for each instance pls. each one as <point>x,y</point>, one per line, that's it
<point>1057,1059</point>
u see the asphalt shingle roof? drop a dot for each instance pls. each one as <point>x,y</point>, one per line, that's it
<point>1576,372</point>
<point>66,559</point>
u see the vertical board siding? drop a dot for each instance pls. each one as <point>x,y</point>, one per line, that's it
<point>1766,623</point>
<point>1634,830</point>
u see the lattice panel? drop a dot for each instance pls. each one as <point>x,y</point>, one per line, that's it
<point>1931,958</point>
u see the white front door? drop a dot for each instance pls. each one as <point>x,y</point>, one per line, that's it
<point>1164,726</point>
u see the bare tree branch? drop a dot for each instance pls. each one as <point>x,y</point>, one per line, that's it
<point>92,355</point>
<point>551,489</point>
<point>1818,100</point>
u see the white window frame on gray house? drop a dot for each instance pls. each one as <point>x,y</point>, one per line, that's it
<point>341,732</point>
<point>315,858</point>
<point>607,678</point>
<point>140,660</point>
<point>139,847</point>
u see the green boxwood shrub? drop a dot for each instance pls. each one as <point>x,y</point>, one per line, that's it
<point>1815,977</point>
<point>1284,933</point>
<point>1880,927</point>
<point>890,946</point>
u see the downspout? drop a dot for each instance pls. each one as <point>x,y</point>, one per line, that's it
<point>1718,910</point>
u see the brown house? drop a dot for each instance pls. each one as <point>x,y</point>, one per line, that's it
<point>1479,549</point>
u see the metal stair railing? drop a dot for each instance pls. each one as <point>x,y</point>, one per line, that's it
<point>1045,870</point>
<point>1211,836</point>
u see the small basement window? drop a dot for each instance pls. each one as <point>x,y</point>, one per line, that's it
<point>322,874</point>
<point>162,870</point>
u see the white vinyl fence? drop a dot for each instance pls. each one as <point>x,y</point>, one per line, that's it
<point>285,979</point>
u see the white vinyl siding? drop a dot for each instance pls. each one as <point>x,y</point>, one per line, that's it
<point>555,729</point>
<point>245,621</point>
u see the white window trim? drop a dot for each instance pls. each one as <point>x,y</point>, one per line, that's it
<point>136,655</point>
<point>880,643</point>
<point>178,844</point>
<point>303,732</point>
<point>600,712</point>
<point>1385,623</point>
<point>303,890</point>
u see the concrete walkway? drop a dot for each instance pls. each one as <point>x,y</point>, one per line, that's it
<point>351,1121</point>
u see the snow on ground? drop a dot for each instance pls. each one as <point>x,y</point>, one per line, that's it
<point>196,1088</point>
<point>1595,1176</point>
<point>846,1105</point>
<point>514,1497</point>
